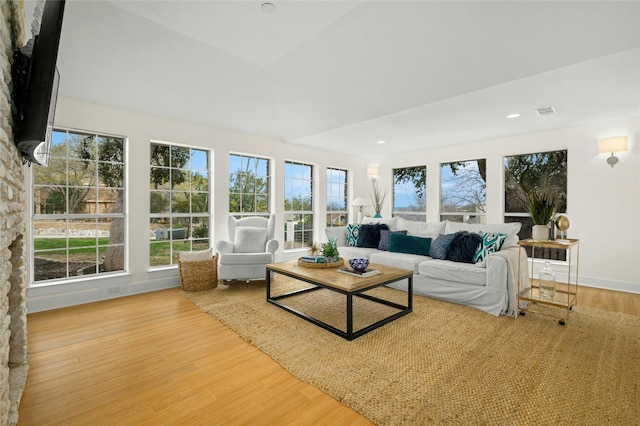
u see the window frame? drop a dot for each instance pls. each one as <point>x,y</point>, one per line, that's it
<point>414,215</point>
<point>343,196</point>
<point>187,240</point>
<point>307,215</point>
<point>86,219</point>
<point>267,176</point>
<point>468,216</point>
<point>557,256</point>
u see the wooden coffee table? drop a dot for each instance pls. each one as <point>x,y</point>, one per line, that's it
<point>350,286</point>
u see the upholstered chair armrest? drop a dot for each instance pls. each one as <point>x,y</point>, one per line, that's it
<point>224,247</point>
<point>272,246</point>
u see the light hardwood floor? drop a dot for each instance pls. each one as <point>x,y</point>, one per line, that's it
<point>157,359</point>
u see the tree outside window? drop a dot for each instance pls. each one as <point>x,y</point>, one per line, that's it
<point>249,183</point>
<point>410,193</point>
<point>525,172</point>
<point>463,190</point>
<point>337,189</point>
<point>179,202</point>
<point>298,205</point>
<point>78,219</point>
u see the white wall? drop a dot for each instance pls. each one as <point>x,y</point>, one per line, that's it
<point>603,202</point>
<point>140,129</point>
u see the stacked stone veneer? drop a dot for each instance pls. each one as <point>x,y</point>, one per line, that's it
<point>13,278</point>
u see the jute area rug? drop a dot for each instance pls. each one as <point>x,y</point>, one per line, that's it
<point>445,363</point>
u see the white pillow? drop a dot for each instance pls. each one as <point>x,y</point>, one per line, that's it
<point>249,239</point>
<point>193,256</point>
<point>422,229</point>
<point>337,232</point>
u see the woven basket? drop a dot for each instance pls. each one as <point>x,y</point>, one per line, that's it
<point>337,264</point>
<point>198,275</point>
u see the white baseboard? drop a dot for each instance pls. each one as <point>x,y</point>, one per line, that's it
<point>78,292</point>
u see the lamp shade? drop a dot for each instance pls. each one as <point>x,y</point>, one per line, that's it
<point>360,202</point>
<point>373,171</point>
<point>613,144</point>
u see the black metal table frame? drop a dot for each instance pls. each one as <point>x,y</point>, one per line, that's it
<point>350,334</point>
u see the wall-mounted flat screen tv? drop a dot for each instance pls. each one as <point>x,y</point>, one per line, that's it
<point>35,87</point>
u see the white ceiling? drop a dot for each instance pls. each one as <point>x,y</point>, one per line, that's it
<point>341,75</point>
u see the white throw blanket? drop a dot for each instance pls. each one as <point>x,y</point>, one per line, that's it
<point>513,258</point>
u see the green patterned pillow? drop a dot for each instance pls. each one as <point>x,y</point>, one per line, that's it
<point>352,234</point>
<point>491,243</point>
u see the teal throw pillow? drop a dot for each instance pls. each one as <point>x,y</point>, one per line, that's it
<point>352,234</point>
<point>411,244</point>
<point>385,238</point>
<point>491,243</point>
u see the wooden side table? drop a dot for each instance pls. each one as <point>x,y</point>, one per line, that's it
<point>566,296</point>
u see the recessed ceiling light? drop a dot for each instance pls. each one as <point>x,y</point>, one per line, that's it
<point>380,142</point>
<point>268,7</point>
<point>515,115</point>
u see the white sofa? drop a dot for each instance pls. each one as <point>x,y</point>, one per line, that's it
<point>490,286</point>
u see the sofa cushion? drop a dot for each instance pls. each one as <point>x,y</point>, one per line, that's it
<point>350,252</point>
<point>398,260</point>
<point>249,239</point>
<point>399,243</point>
<point>352,234</point>
<point>491,243</point>
<point>338,233</point>
<point>385,237</point>
<point>464,247</point>
<point>446,270</point>
<point>420,228</point>
<point>510,229</point>
<point>369,235</point>
<point>440,246</point>
<point>245,258</point>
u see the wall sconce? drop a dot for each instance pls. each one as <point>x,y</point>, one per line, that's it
<point>373,172</point>
<point>613,144</point>
<point>360,203</point>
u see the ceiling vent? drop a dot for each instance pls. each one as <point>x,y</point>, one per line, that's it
<point>546,111</point>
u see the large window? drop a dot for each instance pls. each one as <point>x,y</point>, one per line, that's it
<point>179,199</point>
<point>298,205</point>
<point>78,217</point>
<point>337,188</point>
<point>525,172</point>
<point>249,183</point>
<point>410,193</point>
<point>463,190</point>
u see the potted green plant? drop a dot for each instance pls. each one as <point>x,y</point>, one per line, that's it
<point>330,251</point>
<point>543,205</point>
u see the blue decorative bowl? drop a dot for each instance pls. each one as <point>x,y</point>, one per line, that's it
<point>359,264</point>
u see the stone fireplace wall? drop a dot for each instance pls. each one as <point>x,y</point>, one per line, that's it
<point>13,273</point>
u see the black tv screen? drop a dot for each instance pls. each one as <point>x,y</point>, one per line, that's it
<point>36,80</point>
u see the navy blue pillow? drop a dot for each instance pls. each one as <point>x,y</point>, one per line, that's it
<point>411,244</point>
<point>440,246</point>
<point>464,246</point>
<point>369,235</point>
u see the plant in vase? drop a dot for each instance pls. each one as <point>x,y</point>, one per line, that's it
<point>330,251</point>
<point>542,206</point>
<point>378,197</point>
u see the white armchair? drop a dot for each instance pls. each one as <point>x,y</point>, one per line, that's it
<point>250,248</point>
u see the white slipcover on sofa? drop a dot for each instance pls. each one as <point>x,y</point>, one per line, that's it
<point>490,286</point>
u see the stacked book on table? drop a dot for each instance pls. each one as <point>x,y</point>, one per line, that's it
<point>365,273</point>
